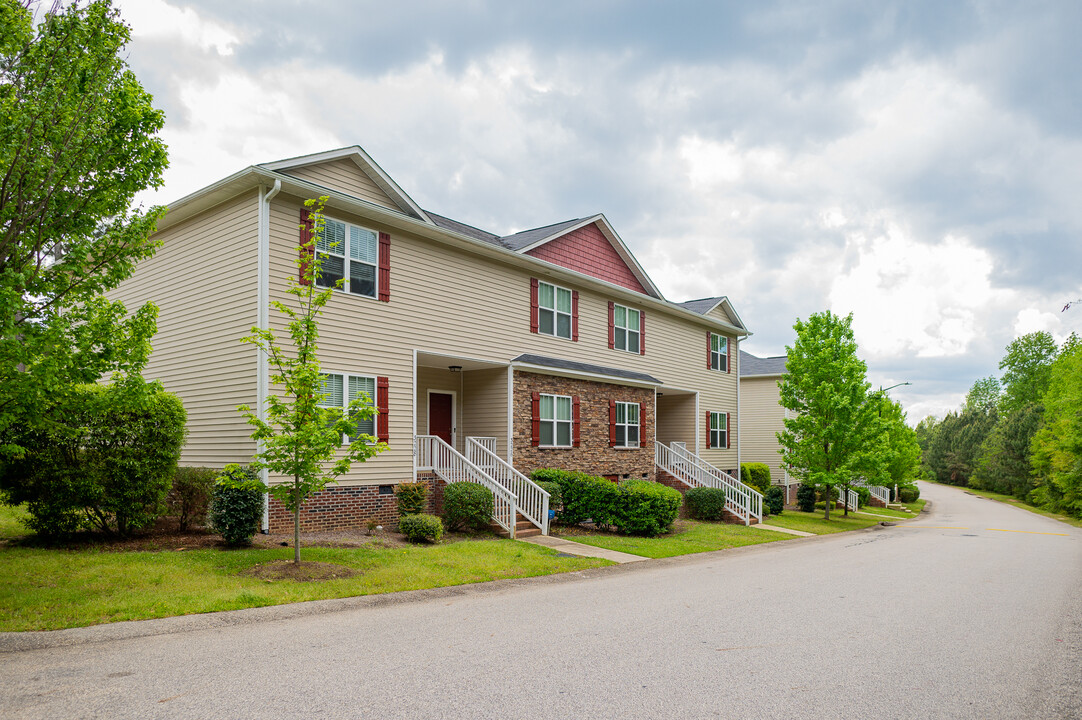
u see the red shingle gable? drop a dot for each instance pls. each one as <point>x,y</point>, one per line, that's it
<point>589,252</point>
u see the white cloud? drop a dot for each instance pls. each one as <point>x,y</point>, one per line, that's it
<point>158,19</point>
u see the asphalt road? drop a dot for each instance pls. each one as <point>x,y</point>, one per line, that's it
<point>972,611</point>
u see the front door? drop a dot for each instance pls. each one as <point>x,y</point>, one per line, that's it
<point>440,415</point>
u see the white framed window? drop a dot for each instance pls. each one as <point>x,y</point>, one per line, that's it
<point>555,414</point>
<point>719,430</point>
<point>349,253</point>
<point>625,328</point>
<point>627,424</point>
<point>340,390</point>
<point>719,352</point>
<point>553,310</point>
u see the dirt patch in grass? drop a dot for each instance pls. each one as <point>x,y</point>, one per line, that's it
<point>303,572</point>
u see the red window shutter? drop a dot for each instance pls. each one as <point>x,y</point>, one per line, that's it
<point>384,267</point>
<point>728,433</point>
<point>533,310</point>
<point>576,422</point>
<point>535,409</point>
<point>709,435</point>
<point>575,316</point>
<point>642,332</point>
<point>383,401</point>
<point>709,351</point>
<point>304,264</point>
<point>612,420</point>
<point>612,325</point>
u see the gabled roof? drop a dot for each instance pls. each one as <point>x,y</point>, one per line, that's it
<point>529,239</point>
<point>476,233</point>
<point>366,165</point>
<point>541,361</point>
<point>705,306</point>
<point>751,366</point>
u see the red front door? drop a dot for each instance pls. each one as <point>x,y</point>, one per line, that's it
<point>439,416</point>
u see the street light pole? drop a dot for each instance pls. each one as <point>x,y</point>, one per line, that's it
<point>881,391</point>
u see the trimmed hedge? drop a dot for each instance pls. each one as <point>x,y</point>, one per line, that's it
<point>555,494</point>
<point>647,508</point>
<point>805,497</point>
<point>705,503</point>
<point>775,500</point>
<point>636,507</point>
<point>410,497</point>
<point>756,474</point>
<point>421,527</point>
<point>189,499</point>
<point>908,493</point>
<point>467,505</point>
<point>237,505</point>
<point>864,496</point>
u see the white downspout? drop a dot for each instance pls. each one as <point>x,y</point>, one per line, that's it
<point>263,303</point>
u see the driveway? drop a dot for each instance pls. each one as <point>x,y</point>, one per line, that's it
<point>972,611</point>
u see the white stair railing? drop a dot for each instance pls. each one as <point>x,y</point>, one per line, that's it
<point>743,501</point>
<point>451,467</point>
<point>880,493</point>
<point>852,499</point>
<point>533,501</point>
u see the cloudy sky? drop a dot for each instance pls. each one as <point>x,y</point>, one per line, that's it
<point>915,163</point>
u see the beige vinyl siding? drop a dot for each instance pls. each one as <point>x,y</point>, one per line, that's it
<point>203,280</point>
<point>676,419</point>
<point>719,313</point>
<point>345,176</point>
<point>444,300</point>
<point>484,406</point>
<point>763,418</point>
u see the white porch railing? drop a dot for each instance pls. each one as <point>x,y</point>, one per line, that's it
<point>852,499</point>
<point>533,501</point>
<point>880,493</point>
<point>741,500</point>
<point>451,467</point>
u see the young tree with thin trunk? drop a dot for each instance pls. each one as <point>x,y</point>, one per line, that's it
<point>835,435</point>
<point>300,436</point>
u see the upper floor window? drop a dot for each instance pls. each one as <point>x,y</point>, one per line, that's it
<point>348,253</point>
<point>626,425</point>
<point>625,328</point>
<point>719,352</point>
<point>340,390</point>
<point>556,421</point>
<point>553,310</point>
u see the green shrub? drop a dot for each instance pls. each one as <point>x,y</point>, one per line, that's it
<point>587,497</point>
<point>805,497</point>
<point>189,498</point>
<point>411,497</point>
<point>908,493</point>
<point>864,496</point>
<point>236,505</point>
<point>775,500</point>
<point>757,475</point>
<point>646,508</point>
<point>421,527</point>
<point>705,503</point>
<point>553,489</point>
<point>467,505</point>
<point>106,462</point>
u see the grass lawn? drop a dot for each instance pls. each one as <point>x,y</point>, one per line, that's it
<point>814,522</point>
<point>10,527</point>
<point>49,589</point>
<point>914,507</point>
<point>692,537</point>
<point>1011,500</point>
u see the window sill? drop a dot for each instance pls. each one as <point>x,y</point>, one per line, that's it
<point>555,447</point>
<point>627,447</point>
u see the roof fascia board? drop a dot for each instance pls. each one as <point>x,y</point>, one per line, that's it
<point>730,310</point>
<point>614,240</point>
<point>580,374</point>
<point>366,165</point>
<point>206,198</point>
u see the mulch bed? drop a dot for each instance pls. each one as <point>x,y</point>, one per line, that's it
<point>306,571</point>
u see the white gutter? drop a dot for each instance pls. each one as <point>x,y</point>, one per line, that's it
<point>263,309</point>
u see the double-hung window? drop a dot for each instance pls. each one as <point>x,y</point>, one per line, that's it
<point>555,420</point>
<point>627,424</point>
<point>348,253</point>
<point>719,430</point>
<point>719,352</point>
<point>553,310</point>
<point>625,328</point>
<point>340,390</point>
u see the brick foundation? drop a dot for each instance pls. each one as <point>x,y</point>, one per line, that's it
<point>350,507</point>
<point>593,456</point>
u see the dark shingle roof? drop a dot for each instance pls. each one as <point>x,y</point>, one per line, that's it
<point>469,230</point>
<point>702,306</point>
<point>529,237</point>
<point>751,366</point>
<point>560,364</point>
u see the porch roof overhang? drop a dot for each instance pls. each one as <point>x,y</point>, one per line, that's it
<point>570,368</point>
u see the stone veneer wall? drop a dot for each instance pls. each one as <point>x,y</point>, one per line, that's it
<point>594,455</point>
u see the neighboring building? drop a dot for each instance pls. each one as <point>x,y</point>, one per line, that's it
<point>551,346</point>
<point>762,417</point>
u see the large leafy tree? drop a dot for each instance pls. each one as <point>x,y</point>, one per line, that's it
<point>901,450</point>
<point>1027,370</point>
<point>983,396</point>
<point>1057,445</point>
<point>78,141</point>
<point>301,439</point>
<point>835,435</point>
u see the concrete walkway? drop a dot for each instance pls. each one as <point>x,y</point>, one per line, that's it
<point>775,528</point>
<point>574,548</point>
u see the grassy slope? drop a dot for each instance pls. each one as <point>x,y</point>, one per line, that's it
<point>699,537</point>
